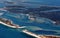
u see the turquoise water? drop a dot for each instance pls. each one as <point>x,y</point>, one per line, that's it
<point>6,32</point>
<point>24,21</point>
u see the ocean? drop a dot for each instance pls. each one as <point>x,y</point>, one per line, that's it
<point>6,32</point>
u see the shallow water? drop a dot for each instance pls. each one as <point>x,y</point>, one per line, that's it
<point>6,32</point>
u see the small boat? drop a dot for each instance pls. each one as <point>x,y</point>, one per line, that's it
<point>10,24</point>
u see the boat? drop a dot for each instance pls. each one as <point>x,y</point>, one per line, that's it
<point>9,23</point>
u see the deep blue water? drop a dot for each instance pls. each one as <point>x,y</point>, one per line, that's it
<point>26,22</point>
<point>37,3</point>
<point>44,2</point>
<point>16,33</point>
<point>6,32</point>
<point>43,32</point>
